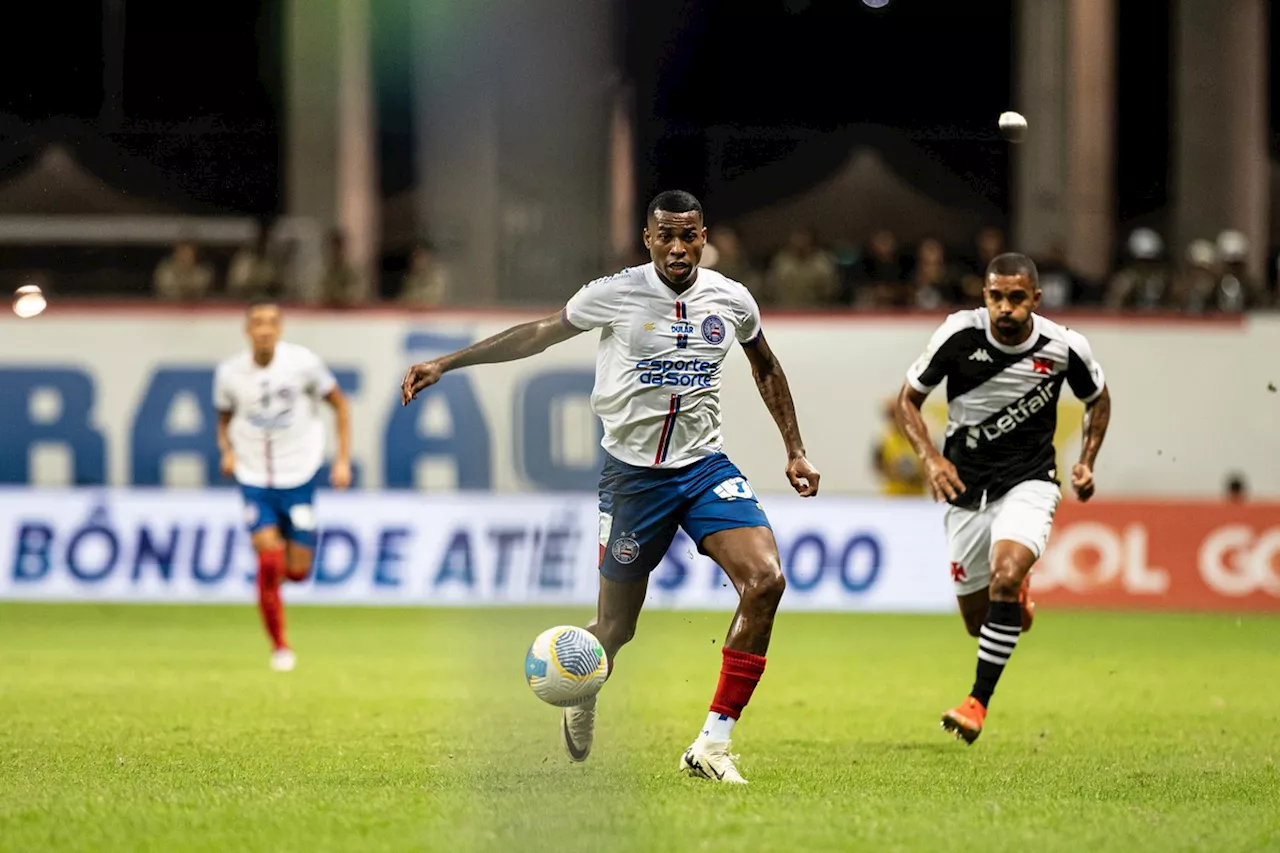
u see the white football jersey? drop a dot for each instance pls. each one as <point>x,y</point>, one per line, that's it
<point>276,429</point>
<point>657,388</point>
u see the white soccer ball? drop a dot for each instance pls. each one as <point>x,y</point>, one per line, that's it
<point>566,666</point>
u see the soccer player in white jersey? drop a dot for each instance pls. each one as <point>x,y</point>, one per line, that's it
<point>272,441</point>
<point>1004,366</point>
<point>666,329</point>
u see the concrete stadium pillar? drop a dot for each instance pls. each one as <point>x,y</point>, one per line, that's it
<point>1064,170</point>
<point>1221,174</point>
<point>455,91</point>
<point>514,105</point>
<point>331,166</point>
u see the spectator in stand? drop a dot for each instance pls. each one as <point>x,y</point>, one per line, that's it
<point>252,272</point>
<point>340,284</point>
<point>1197,284</point>
<point>803,275</point>
<point>731,259</point>
<point>181,277</point>
<point>1237,290</point>
<point>895,461</point>
<point>848,257</point>
<point>1145,282</point>
<point>426,283</point>
<point>882,273</point>
<point>988,244</point>
<point>1060,285</point>
<point>933,284</point>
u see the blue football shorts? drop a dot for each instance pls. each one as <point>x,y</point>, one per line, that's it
<point>290,510</point>
<point>641,509</point>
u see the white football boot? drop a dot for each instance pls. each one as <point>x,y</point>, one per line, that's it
<point>283,660</point>
<point>707,759</point>
<point>578,729</point>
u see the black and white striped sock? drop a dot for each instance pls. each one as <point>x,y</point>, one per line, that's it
<point>996,642</point>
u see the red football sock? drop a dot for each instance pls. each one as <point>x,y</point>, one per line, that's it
<point>739,674</point>
<point>270,571</point>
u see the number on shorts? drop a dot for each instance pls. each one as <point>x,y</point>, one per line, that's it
<point>735,489</point>
<point>302,517</point>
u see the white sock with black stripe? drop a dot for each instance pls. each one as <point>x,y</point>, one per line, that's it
<point>996,642</point>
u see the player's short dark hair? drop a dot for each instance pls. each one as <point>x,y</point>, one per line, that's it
<point>262,302</point>
<point>1011,264</point>
<point>674,201</point>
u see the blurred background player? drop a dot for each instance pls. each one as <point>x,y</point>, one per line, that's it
<point>896,463</point>
<point>667,328</point>
<point>1004,366</point>
<point>272,441</point>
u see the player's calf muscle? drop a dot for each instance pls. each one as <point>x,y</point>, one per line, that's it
<point>764,586</point>
<point>612,635</point>
<point>973,610</point>
<point>298,563</point>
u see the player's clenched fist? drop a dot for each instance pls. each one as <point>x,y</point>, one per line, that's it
<point>419,377</point>
<point>943,480</point>
<point>1082,481</point>
<point>803,476</point>
<point>228,463</point>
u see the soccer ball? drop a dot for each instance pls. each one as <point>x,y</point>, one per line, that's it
<point>566,666</point>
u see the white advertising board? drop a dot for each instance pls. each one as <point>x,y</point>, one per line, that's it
<point>123,398</point>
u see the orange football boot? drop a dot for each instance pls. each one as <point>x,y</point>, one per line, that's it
<point>1028,606</point>
<point>965,721</point>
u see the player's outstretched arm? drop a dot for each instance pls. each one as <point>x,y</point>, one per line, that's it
<point>776,393</point>
<point>944,482</point>
<point>1097,417</point>
<point>515,343</point>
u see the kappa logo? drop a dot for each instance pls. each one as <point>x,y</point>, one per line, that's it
<point>981,355</point>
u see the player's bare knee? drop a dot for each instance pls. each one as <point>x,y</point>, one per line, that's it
<point>764,586</point>
<point>298,574</point>
<point>1006,578</point>
<point>973,623</point>
<point>298,562</point>
<point>268,539</point>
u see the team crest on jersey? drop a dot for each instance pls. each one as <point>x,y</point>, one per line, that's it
<point>713,329</point>
<point>1042,365</point>
<point>625,549</point>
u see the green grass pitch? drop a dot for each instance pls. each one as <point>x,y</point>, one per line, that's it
<point>149,728</point>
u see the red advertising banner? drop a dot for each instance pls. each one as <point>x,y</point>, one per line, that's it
<point>1162,556</point>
